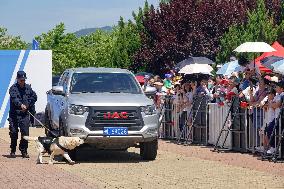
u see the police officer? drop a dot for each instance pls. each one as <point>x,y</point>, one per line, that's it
<point>22,100</point>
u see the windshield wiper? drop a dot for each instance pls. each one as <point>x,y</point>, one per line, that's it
<point>115,92</point>
<point>83,92</point>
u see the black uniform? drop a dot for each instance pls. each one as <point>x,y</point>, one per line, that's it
<point>18,118</point>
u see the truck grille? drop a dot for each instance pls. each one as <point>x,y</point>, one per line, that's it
<point>100,117</point>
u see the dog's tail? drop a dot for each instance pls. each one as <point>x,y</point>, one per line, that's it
<point>28,138</point>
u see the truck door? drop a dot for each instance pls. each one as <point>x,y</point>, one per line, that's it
<point>58,99</point>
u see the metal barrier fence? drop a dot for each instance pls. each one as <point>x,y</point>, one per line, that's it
<point>216,118</point>
<point>227,127</point>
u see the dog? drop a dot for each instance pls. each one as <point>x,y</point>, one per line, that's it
<point>55,146</point>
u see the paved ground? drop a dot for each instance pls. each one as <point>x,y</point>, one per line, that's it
<point>175,167</point>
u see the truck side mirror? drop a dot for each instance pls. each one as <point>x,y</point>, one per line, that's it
<point>58,90</point>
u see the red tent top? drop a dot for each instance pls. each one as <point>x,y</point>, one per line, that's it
<point>279,52</point>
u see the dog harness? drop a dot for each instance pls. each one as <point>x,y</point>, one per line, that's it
<point>46,142</point>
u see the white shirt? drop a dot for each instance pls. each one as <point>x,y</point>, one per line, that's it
<point>246,92</point>
<point>270,114</point>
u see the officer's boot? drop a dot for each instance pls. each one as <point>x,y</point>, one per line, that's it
<point>12,154</point>
<point>25,154</point>
<point>23,148</point>
<point>13,149</point>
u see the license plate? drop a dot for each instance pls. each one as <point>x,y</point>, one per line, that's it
<point>115,131</point>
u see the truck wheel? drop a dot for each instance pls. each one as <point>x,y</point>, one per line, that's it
<point>73,154</point>
<point>148,150</point>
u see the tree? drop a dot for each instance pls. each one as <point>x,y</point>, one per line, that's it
<point>183,28</point>
<point>165,1</point>
<point>260,26</point>
<point>126,38</point>
<point>281,34</point>
<point>126,43</point>
<point>11,42</point>
<point>65,48</point>
<point>99,49</point>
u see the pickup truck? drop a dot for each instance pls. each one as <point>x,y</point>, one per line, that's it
<point>106,107</point>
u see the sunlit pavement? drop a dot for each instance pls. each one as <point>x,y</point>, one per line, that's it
<point>175,167</point>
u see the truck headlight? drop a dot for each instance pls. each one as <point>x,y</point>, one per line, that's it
<point>149,110</point>
<point>77,109</point>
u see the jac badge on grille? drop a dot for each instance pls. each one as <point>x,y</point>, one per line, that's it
<point>116,115</point>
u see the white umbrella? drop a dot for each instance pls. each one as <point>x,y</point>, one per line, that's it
<point>254,47</point>
<point>197,69</point>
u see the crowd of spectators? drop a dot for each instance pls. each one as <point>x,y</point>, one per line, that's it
<point>258,93</point>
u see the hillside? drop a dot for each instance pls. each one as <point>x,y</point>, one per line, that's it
<point>88,31</point>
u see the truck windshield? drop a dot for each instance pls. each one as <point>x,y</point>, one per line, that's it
<point>104,83</point>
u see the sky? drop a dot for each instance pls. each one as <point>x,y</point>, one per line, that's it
<point>29,18</point>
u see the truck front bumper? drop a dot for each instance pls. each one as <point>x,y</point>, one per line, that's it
<point>147,133</point>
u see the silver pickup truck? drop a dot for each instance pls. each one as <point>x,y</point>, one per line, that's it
<point>106,107</point>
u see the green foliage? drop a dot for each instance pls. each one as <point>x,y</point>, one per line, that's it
<point>70,51</point>
<point>99,49</point>
<point>259,27</point>
<point>10,42</point>
<point>63,46</point>
<point>165,1</point>
<point>126,41</point>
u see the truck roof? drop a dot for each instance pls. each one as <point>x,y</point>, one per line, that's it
<point>99,70</point>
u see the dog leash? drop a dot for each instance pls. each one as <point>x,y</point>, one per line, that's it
<point>40,122</point>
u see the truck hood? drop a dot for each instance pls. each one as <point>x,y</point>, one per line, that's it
<point>108,99</point>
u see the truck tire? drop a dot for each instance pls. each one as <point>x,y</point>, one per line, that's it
<point>148,150</point>
<point>73,154</point>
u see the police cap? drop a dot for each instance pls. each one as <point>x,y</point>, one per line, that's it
<point>21,75</point>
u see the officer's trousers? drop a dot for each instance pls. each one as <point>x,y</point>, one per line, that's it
<point>20,123</point>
